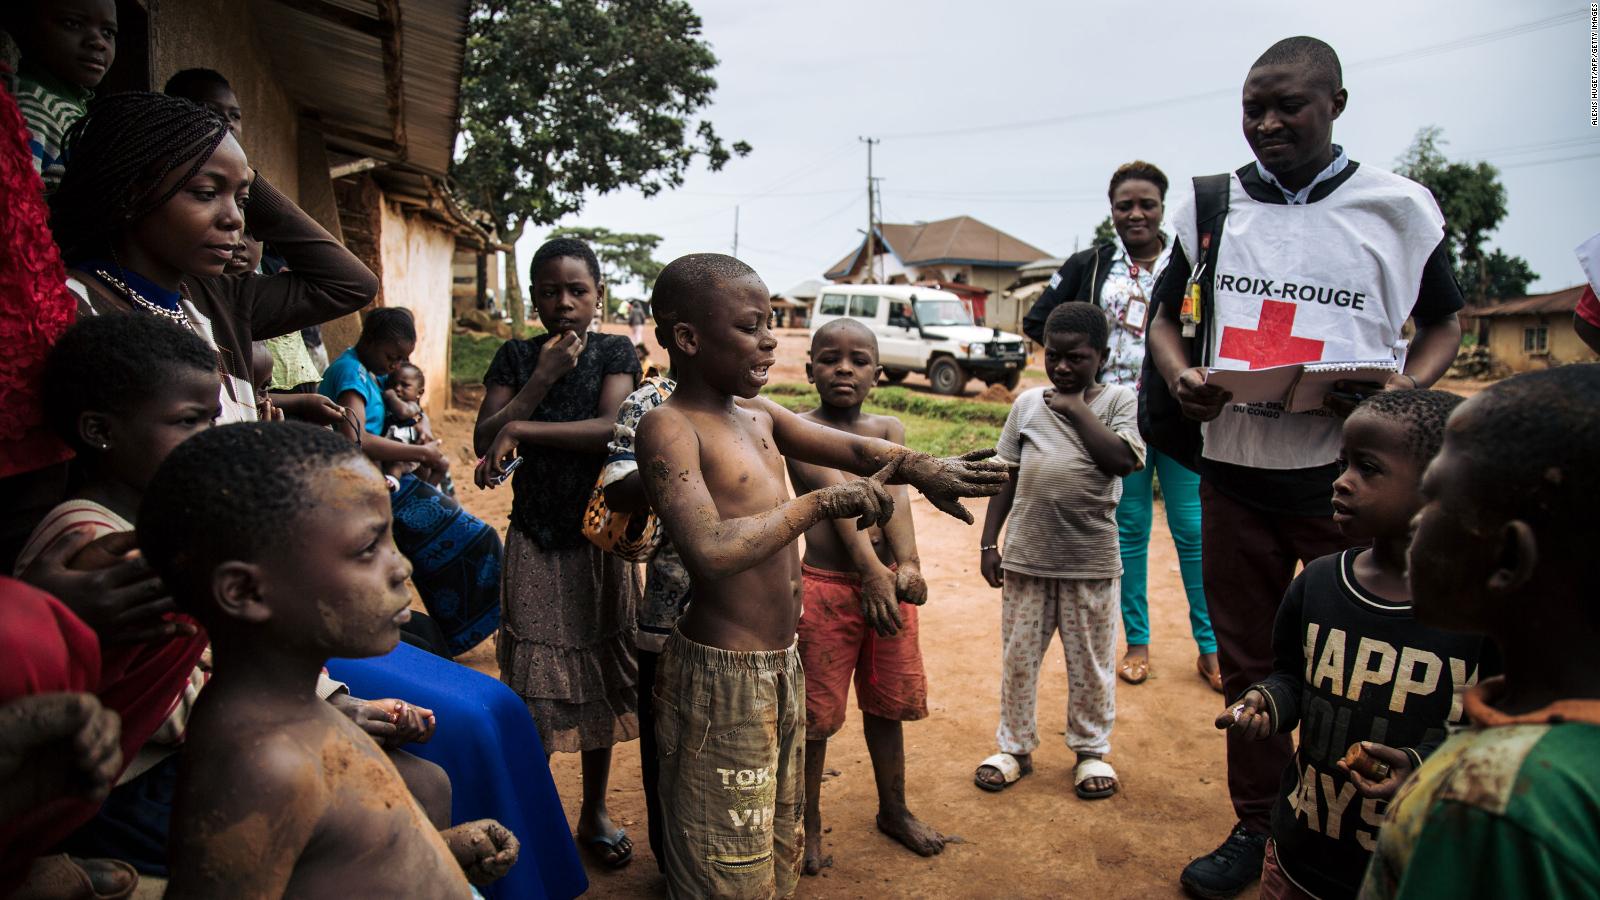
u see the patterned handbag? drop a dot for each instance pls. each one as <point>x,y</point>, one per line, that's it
<point>633,536</point>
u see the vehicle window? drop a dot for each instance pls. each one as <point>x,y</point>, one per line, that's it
<point>900,313</point>
<point>942,312</point>
<point>832,305</point>
<point>864,306</point>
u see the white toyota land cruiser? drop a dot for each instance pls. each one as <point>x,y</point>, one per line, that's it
<point>927,331</point>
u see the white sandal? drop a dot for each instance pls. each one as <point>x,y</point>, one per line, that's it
<point>1010,771</point>
<point>1093,767</point>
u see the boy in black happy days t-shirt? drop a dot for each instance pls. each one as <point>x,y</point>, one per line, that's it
<point>1352,665</point>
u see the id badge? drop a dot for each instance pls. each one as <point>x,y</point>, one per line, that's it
<point>1135,315</point>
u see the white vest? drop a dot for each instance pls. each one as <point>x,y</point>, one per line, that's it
<point>1331,280</point>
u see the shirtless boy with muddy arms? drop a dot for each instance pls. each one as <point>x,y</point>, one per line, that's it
<point>849,574</point>
<point>729,690</point>
<point>276,537</point>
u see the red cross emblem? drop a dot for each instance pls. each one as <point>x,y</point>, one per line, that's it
<point>1271,343</point>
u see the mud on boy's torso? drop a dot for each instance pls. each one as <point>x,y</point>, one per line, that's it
<point>370,837</point>
<point>743,473</point>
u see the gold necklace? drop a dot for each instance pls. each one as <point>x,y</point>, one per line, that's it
<point>173,315</point>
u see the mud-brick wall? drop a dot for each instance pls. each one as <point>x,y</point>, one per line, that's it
<point>415,258</point>
<point>220,34</point>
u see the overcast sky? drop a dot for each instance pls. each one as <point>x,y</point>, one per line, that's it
<point>1017,113</point>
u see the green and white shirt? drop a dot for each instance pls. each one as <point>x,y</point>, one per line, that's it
<point>1508,808</point>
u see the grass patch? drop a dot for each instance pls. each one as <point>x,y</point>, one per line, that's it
<point>470,355</point>
<point>937,426</point>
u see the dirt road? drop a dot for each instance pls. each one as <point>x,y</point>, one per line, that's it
<point>1035,839</point>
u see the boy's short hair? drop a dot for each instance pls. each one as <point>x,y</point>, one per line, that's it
<point>389,323</point>
<point>195,84</point>
<point>408,368</point>
<point>1138,170</point>
<point>1422,413</point>
<point>1533,442</point>
<point>110,363</point>
<point>564,248</point>
<point>672,297</point>
<point>1077,317</point>
<point>229,492</point>
<point>852,325</point>
<point>1308,52</point>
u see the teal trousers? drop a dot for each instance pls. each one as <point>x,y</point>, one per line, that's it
<point>1180,493</point>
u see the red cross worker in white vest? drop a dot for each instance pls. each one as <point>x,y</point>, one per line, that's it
<point>1302,255</point>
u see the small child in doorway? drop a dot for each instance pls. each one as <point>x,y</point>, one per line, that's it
<point>1353,666</point>
<point>712,458</point>
<point>67,47</point>
<point>1061,568</point>
<point>1504,546</point>
<point>844,572</point>
<point>277,537</point>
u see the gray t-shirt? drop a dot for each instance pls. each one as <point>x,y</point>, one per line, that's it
<point>1063,523</point>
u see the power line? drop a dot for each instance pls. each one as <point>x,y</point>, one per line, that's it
<point>1375,62</point>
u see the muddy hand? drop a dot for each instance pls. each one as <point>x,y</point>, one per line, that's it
<point>864,497</point>
<point>909,586</point>
<point>878,604</point>
<point>485,849</point>
<point>1384,788</point>
<point>54,745</point>
<point>1248,717</point>
<point>944,480</point>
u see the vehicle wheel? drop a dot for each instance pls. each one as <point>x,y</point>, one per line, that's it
<point>1012,379</point>
<point>947,376</point>
<point>895,376</point>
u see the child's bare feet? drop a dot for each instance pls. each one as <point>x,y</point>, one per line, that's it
<point>916,835</point>
<point>814,861</point>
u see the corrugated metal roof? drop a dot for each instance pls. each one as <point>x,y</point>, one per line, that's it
<point>962,239</point>
<point>329,55</point>
<point>1557,302</point>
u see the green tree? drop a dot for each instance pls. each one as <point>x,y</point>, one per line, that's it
<point>1105,232</point>
<point>1473,202</point>
<point>563,98</point>
<point>624,257</point>
<point>1508,276</point>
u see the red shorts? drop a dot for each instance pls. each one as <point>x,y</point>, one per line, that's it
<point>835,640</point>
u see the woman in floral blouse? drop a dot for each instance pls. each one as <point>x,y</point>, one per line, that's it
<point>1120,277</point>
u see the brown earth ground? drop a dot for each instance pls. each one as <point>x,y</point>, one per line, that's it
<point>1035,839</point>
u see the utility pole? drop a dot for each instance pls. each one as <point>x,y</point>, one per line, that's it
<point>869,276</point>
<point>735,231</point>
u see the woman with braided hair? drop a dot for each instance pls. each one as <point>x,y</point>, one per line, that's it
<point>149,214</point>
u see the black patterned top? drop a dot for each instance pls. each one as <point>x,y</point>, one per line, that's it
<point>550,489</point>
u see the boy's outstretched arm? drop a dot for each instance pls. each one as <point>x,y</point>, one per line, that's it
<point>216,826</point>
<point>942,480</point>
<point>902,537</point>
<point>714,547</point>
<point>878,584</point>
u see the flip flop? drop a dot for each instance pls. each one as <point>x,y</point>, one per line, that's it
<point>607,849</point>
<point>63,876</point>
<point>1010,770</point>
<point>1134,670</point>
<point>1212,678</point>
<point>1091,767</point>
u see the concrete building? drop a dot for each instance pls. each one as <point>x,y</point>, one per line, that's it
<point>351,109</point>
<point>1529,333</point>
